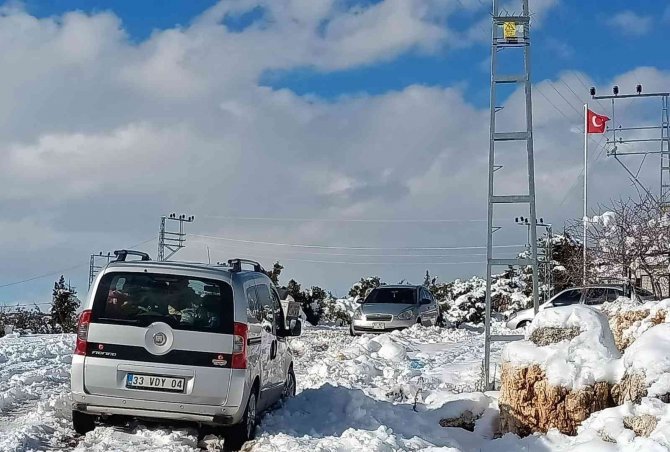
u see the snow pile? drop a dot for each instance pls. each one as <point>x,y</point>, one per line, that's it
<point>649,356</point>
<point>580,361</point>
<point>350,419</point>
<point>642,427</point>
<point>34,391</point>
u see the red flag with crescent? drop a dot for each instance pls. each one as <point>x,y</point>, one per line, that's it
<point>595,122</point>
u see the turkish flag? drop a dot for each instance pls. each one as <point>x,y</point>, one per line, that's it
<point>595,123</point>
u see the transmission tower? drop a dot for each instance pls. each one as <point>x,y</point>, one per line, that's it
<point>643,140</point>
<point>510,33</point>
<point>172,241</point>
<point>97,263</point>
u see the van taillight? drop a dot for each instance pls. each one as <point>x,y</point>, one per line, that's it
<point>82,332</point>
<point>239,360</point>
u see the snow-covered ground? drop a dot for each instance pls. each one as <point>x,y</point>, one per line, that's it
<point>370,393</point>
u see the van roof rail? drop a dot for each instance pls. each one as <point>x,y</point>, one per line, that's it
<point>122,254</point>
<point>236,265</point>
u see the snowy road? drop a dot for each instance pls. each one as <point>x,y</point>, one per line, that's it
<point>354,394</point>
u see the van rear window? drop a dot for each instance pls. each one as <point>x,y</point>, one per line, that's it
<point>184,303</point>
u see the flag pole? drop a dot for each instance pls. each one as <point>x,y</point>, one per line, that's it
<point>586,186</point>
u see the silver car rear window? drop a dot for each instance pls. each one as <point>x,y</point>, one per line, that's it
<point>183,302</point>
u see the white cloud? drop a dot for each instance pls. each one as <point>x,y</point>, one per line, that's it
<point>99,136</point>
<point>630,23</point>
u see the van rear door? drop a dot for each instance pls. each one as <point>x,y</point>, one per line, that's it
<point>160,337</point>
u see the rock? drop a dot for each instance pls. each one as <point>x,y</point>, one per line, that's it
<point>560,375</point>
<point>620,325</point>
<point>465,421</point>
<point>553,335</point>
<point>646,367</point>
<point>211,443</point>
<point>629,320</point>
<point>528,403</point>
<point>631,388</point>
<point>642,425</point>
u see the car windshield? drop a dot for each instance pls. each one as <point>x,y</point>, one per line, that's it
<point>392,295</point>
<point>643,292</point>
<point>184,303</point>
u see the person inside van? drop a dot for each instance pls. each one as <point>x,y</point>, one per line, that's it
<point>181,296</point>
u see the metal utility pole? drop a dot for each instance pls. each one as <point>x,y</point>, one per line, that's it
<point>510,34</point>
<point>96,265</point>
<point>172,241</point>
<point>547,258</point>
<point>640,135</point>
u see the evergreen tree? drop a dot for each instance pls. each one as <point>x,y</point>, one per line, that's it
<point>64,306</point>
<point>275,272</point>
<point>363,287</point>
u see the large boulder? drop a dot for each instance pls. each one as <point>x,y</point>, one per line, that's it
<point>628,319</point>
<point>560,374</point>
<point>646,367</point>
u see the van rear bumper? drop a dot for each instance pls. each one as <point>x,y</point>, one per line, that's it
<point>107,406</point>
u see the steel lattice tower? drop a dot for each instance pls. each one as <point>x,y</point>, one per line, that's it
<point>510,33</point>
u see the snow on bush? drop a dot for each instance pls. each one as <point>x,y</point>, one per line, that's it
<point>575,362</point>
<point>465,300</point>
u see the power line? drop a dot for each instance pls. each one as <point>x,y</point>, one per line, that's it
<point>359,254</point>
<point>332,247</point>
<point>343,220</point>
<point>44,275</point>
<point>313,261</point>
<point>74,267</point>
<point>563,97</point>
<point>384,263</point>
<point>580,80</point>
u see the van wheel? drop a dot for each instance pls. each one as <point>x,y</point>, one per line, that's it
<point>246,429</point>
<point>82,423</point>
<point>289,386</point>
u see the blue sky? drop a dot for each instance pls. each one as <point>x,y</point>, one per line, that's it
<point>332,116</point>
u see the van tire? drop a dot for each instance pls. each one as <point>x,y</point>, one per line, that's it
<point>243,432</point>
<point>82,423</point>
<point>290,385</point>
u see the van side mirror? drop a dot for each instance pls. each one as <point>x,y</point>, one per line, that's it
<point>295,327</point>
<point>360,300</point>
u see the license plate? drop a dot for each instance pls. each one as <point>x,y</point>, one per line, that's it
<point>155,382</point>
<point>378,325</point>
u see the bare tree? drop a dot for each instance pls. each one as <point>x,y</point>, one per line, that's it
<point>631,235</point>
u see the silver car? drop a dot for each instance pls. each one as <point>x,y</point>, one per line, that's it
<point>389,308</point>
<point>594,295</point>
<point>182,342</point>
